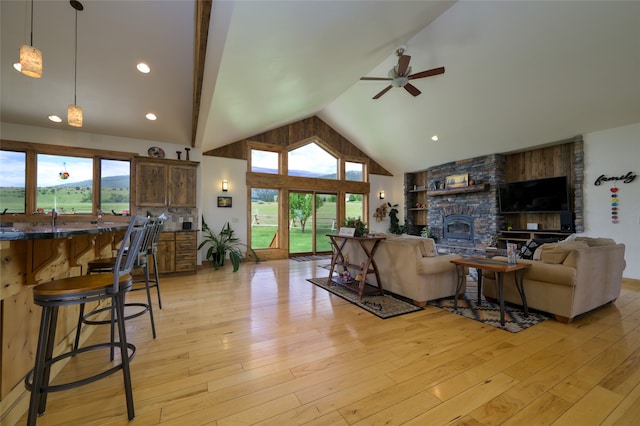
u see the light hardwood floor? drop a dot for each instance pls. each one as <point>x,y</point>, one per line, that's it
<point>264,346</point>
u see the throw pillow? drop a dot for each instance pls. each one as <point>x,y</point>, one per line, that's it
<point>527,250</point>
<point>556,253</point>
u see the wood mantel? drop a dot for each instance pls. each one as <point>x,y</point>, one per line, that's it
<point>465,190</point>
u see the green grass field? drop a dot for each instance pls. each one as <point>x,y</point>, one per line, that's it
<point>65,199</point>
<point>264,228</point>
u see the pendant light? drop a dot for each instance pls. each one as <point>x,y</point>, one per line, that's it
<point>30,57</point>
<point>74,112</point>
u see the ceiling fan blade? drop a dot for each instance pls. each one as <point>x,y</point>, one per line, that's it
<point>412,89</point>
<point>382,92</point>
<point>427,73</point>
<point>375,78</point>
<point>403,64</point>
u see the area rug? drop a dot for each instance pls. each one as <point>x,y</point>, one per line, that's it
<point>488,312</point>
<point>383,307</point>
<point>313,257</point>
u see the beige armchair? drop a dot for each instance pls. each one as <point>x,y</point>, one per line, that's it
<point>567,278</point>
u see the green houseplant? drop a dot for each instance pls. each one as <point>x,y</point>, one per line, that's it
<point>394,222</point>
<point>358,224</point>
<point>222,243</point>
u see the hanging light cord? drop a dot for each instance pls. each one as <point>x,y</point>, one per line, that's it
<point>75,63</point>
<point>31,23</point>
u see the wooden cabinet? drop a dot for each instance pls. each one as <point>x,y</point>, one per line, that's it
<point>166,254</point>
<point>182,186</point>
<point>177,252</point>
<point>161,182</point>
<point>186,251</point>
<point>151,184</point>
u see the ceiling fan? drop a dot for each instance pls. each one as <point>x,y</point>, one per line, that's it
<point>401,74</point>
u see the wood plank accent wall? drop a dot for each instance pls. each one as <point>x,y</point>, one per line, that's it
<point>562,159</point>
<point>295,132</point>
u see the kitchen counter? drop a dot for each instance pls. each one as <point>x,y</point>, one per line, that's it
<point>43,232</point>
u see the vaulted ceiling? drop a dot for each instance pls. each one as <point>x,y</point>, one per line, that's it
<point>518,74</point>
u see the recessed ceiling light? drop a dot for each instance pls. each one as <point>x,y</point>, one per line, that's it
<point>143,68</point>
<point>434,138</point>
<point>17,67</point>
<point>151,116</point>
<point>55,118</point>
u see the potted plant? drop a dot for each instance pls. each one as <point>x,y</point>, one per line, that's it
<point>394,222</point>
<point>425,232</point>
<point>358,224</point>
<point>222,243</point>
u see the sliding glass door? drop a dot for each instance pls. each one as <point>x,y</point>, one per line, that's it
<point>312,215</point>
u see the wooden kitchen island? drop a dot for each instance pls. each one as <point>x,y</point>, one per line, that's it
<point>31,254</point>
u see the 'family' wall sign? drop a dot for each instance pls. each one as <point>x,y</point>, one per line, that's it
<point>628,178</point>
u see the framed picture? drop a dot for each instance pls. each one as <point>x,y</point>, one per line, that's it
<point>347,232</point>
<point>224,201</point>
<point>457,181</point>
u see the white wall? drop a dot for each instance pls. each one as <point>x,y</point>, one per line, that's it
<point>614,152</point>
<point>213,171</point>
<point>391,195</point>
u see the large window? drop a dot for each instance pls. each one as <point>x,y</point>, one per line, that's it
<point>312,161</point>
<point>264,218</point>
<point>354,171</point>
<point>115,183</point>
<point>12,182</point>
<point>35,178</point>
<point>354,206</point>
<point>264,161</point>
<point>64,183</point>
<point>298,199</point>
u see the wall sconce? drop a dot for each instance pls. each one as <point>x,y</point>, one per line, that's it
<point>381,195</point>
<point>225,186</point>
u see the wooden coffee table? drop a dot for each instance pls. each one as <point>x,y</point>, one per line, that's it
<point>480,263</point>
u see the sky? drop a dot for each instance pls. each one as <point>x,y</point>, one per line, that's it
<point>310,157</point>
<point>50,167</point>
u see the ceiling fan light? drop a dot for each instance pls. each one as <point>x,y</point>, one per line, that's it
<point>30,61</point>
<point>399,81</point>
<point>74,115</point>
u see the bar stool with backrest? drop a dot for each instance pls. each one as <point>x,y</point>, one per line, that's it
<point>75,291</point>
<point>152,233</point>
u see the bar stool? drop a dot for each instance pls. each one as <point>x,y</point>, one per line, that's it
<point>79,290</point>
<point>152,234</point>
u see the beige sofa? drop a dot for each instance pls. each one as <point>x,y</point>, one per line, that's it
<point>568,278</point>
<point>409,266</point>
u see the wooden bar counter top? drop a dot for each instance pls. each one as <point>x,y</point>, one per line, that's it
<point>32,253</point>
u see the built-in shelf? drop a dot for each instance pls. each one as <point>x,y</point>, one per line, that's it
<point>464,190</point>
<point>418,209</point>
<point>520,236</point>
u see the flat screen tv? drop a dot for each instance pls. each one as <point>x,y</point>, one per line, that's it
<point>534,196</point>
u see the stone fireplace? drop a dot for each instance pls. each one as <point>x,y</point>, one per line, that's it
<point>458,226</point>
<point>466,221</point>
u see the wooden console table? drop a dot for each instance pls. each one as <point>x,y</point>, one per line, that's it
<point>480,263</point>
<point>368,267</point>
